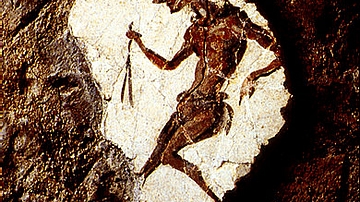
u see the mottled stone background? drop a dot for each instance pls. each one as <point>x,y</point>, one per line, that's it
<point>317,159</point>
<point>53,150</point>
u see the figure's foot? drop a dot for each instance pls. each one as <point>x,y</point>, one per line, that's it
<point>210,193</point>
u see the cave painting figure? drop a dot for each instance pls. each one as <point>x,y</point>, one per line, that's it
<point>218,38</point>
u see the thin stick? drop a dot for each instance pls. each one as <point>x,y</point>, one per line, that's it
<point>123,87</point>
<point>128,75</point>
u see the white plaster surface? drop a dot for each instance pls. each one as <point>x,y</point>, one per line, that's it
<point>101,25</point>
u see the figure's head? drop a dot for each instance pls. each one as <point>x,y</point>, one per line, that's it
<point>218,3</point>
<point>174,5</point>
<point>177,5</point>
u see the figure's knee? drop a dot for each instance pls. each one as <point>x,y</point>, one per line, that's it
<point>167,157</point>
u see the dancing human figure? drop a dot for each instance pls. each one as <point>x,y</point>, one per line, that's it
<point>218,37</point>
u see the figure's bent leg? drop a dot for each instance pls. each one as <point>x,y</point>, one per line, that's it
<point>155,159</point>
<point>180,140</point>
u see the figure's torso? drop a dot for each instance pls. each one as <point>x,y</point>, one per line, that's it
<point>216,45</point>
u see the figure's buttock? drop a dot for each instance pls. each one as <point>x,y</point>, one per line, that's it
<point>192,105</point>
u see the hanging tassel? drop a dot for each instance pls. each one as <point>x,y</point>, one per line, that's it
<point>128,76</point>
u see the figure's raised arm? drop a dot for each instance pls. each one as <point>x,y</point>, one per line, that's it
<point>267,41</point>
<point>263,36</point>
<point>184,52</point>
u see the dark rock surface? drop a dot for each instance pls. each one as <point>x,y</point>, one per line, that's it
<point>316,157</point>
<point>53,149</point>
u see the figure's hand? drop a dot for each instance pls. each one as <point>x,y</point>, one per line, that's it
<point>133,35</point>
<point>276,49</point>
<point>247,88</point>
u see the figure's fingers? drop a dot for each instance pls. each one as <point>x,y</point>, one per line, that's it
<point>251,91</point>
<point>132,34</point>
<point>276,49</point>
<point>129,34</point>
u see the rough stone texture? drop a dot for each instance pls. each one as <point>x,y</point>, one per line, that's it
<point>317,159</point>
<point>53,149</point>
